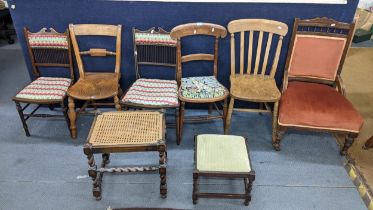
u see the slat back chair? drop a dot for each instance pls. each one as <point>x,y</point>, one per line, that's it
<point>212,90</point>
<point>47,50</point>
<point>315,60</point>
<point>153,49</point>
<point>255,82</point>
<point>93,86</point>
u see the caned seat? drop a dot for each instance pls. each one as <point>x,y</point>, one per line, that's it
<point>45,89</point>
<point>305,100</point>
<point>154,92</point>
<point>202,88</point>
<point>254,88</point>
<point>222,153</point>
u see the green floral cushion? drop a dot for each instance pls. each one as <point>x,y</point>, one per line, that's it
<point>201,87</point>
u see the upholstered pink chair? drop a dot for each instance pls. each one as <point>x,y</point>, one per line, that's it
<point>313,95</point>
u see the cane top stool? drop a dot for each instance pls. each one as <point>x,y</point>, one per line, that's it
<point>222,156</point>
<point>130,131</point>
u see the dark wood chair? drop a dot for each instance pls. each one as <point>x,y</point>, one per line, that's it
<point>94,86</point>
<point>369,143</point>
<point>205,89</point>
<point>252,83</point>
<point>153,49</point>
<point>313,95</point>
<point>47,49</point>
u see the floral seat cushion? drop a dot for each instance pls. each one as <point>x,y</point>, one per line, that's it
<point>154,92</point>
<point>201,87</point>
<point>45,88</point>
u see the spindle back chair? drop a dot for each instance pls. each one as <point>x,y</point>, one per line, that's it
<point>93,86</point>
<point>47,50</point>
<point>256,82</point>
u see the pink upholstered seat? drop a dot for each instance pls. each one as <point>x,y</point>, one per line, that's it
<point>312,105</point>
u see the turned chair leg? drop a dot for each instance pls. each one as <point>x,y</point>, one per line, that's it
<point>64,111</point>
<point>350,138</point>
<point>21,115</point>
<point>72,117</point>
<point>274,123</point>
<point>181,123</point>
<point>225,110</point>
<point>117,104</point>
<point>229,116</point>
<point>279,132</point>
<point>162,171</point>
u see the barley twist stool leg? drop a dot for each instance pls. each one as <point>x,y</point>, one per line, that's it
<point>162,171</point>
<point>92,171</point>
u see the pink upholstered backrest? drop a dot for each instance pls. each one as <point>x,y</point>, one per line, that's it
<point>316,56</point>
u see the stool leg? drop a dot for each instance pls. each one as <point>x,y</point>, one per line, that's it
<point>248,187</point>
<point>72,117</point>
<point>21,115</point>
<point>162,171</point>
<point>92,170</point>
<point>195,188</point>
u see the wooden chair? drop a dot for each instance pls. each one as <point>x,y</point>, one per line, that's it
<point>93,86</point>
<point>199,90</point>
<point>256,82</point>
<point>153,48</point>
<point>47,49</point>
<point>313,92</point>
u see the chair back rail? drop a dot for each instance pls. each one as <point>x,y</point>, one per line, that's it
<point>191,29</point>
<point>248,27</point>
<point>49,49</point>
<point>96,30</point>
<point>153,48</point>
<point>319,27</point>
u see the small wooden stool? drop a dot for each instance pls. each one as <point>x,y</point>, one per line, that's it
<point>222,156</point>
<point>130,131</point>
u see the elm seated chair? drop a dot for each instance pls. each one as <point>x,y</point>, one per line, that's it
<point>201,89</point>
<point>153,49</point>
<point>255,84</point>
<point>313,93</point>
<point>93,86</point>
<point>47,49</point>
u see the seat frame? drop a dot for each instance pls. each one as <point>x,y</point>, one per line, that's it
<point>102,30</point>
<point>154,62</point>
<point>320,27</point>
<point>261,26</point>
<point>205,29</point>
<point>36,71</point>
<point>247,177</point>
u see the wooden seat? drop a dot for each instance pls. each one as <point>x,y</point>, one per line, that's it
<point>47,49</point>
<point>256,82</point>
<point>199,90</point>
<point>222,156</point>
<point>313,91</point>
<point>130,131</point>
<point>93,86</point>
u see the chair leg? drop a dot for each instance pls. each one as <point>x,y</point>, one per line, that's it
<point>274,121</point>
<point>181,123</point>
<point>162,171</point>
<point>64,111</point>
<point>229,116</point>
<point>177,118</point>
<point>21,115</point>
<point>72,117</point>
<point>51,107</point>
<point>369,143</point>
<point>350,138</point>
<point>211,106</point>
<point>225,110</point>
<point>279,132</point>
<point>117,104</point>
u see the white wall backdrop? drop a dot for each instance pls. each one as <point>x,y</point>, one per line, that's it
<point>365,4</point>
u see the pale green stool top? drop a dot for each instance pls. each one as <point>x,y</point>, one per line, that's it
<point>222,153</point>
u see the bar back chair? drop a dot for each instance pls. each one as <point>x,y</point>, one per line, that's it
<point>202,89</point>
<point>153,48</point>
<point>255,82</point>
<point>313,92</point>
<point>93,86</point>
<point>47,49</point>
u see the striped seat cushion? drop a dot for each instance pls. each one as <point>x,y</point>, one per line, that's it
<point>45,88</point>
<point>154,39</point>
<point>153,92</point>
